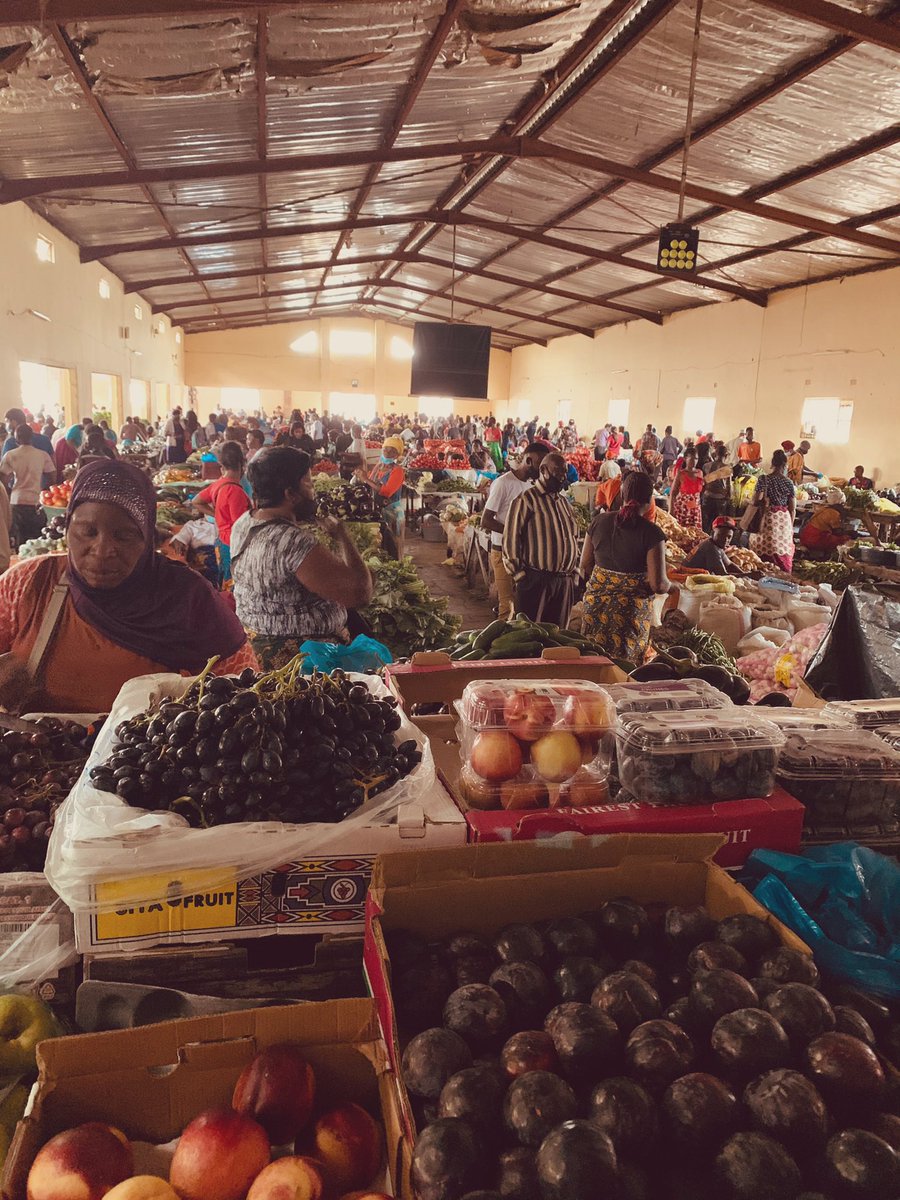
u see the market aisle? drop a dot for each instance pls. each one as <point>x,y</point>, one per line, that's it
<point>473,605</point>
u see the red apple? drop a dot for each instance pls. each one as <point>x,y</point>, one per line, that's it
<point>478,793</point>
<point>218,1156</point>
<point>556,756</point>
<point>523,793</point>
<point>348,1143</point>
<point>528,714</point>
<point>496,756</point>
<point>589,713</point>
<point>277,1089</point>
<point>484,704</point>
<point>292,1178</point>
<point>83,1163</point>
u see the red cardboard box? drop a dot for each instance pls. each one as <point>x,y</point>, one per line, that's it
<point>775,823</point>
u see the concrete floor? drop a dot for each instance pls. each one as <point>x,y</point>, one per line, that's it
<point>471,603</point>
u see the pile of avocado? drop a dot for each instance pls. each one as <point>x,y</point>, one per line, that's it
<point>678,662</point>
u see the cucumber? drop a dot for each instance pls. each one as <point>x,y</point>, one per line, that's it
<point>490,632</point>
<point>472,655</point>
<point>522,650</point>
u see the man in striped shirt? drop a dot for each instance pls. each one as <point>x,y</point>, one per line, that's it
<point>540,546</point>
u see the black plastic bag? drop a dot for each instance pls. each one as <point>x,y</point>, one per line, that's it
<point>859,658</point>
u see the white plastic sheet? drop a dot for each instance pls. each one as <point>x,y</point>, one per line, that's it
<point>97,837</point>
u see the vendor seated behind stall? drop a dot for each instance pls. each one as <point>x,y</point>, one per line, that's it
<point>287,587</point>
<point>710,555</point>
<point>860,480</point>
<point>825,528</point>
<point>123,609</point>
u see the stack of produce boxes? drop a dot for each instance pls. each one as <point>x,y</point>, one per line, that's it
<point>537,746</point>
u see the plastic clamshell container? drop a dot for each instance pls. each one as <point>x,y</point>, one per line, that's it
<point>845,777</point>
<point>866,714</point>
<point>696,757</point>
<point>677,695</point>
<point>804,720</point>
<point>890,734</point>
<point>541,704</point>
<point>534,744</point>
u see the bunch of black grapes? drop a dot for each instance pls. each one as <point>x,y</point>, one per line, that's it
<point>260,748</point>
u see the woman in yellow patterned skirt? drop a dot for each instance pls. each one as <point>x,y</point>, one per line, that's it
<point>624,562</point>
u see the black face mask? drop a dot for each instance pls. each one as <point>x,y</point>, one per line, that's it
<point>553,484</point>
<point>305,509</point>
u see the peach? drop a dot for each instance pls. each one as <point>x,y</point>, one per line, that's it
<point>556,756</point>
<point>293,1178</point>
<point>584,792</point>
<point>143,1187</point>
<point>347,1141</point>
<point>523,793</point>
<point>478,793</point>
<point>589,713</point>
<point>496,756</point>
<point>528,715</point>
<point>277,1089</point>
<point>218,1156</point>
<point>83,1163</point>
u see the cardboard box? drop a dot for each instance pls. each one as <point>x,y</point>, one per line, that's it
<point>775,823</point>
<point>315,895</point>
<point>151,1082</point>
<point>485,887</point>
<point>435,679</point>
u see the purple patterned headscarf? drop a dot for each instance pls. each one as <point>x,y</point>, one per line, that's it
<point>163,611</point>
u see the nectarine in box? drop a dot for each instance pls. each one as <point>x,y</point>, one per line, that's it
<point>152,1082</point>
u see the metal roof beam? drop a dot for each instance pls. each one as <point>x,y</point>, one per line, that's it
<point>262,132</point>
<point>42,12</point>
<point>72,60</point>
<point>27,188</point>
<point>620,27</point>
<point>840,19</point>
<point>802,70</point>
<point>96,253</point>
<point>144,285</point>
<point>410,94</point>
<point>567,326</point>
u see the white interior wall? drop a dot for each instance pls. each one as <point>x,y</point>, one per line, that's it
<point>83,333</point>
<point>829,339</point>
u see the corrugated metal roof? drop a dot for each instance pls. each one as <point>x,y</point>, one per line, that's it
<point>165,119</point>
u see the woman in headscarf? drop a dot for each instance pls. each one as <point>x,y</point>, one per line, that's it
<point>685,495</point>
<point>624,563</point>
<point>112,608</point>
<point>386,480</point>
<point>66,452</point>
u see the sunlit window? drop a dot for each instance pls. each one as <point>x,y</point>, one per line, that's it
<point>160,326</point>
<point>351,343</point>
<point>617,413</point>
<point>699,415</point>
<point>436,406</point>
<point>177,337</point>
<point>827,419</point>
<point>138,313</point>
<point>239,399</point>
<point>400,348</point>
<point>104,289</point>
<point>44,249</point>
<point>306,343</point>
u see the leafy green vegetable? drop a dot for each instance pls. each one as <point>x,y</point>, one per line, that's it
<point>859,498</point>
<point>402,612</point>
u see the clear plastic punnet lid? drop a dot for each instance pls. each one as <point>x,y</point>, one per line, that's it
<point>803,720</point>
<point>536,706</point>
<point>838,754</point>
<point>726,731</point>
<point>866,714</point>
<point>676,695</point>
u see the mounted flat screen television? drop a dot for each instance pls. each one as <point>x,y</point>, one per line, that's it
<point>450,360</point>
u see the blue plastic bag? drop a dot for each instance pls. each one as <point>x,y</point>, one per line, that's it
<point>844,902</point>
<point>363,654</point>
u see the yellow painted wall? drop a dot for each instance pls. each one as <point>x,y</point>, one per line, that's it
<point>83,332</point>
<point>261,358</point>
<point>830,339</point>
